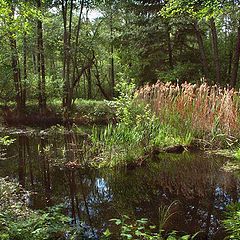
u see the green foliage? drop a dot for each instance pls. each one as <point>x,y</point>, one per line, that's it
<point>166,135</point>
<point>180,72</point>
<point>232,221</point>
<point>94,109</point>
<point>196,9</point>
<point>141,229</point>
<point>137,131</point>
<point>126,109</point>
<point>18,221</point>
<point>6,140</point>
<point>130,39</point>
<point>237,154</point>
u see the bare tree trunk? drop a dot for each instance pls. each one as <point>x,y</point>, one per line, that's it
<point>236,60</point>
<point>201,49</point>
<point>230,57</point>
<point>112,72</point>
<point>41,65</point>
<point>68,86</point>
<point>89,82</point>
<point>16,68</point>
<point>215,50</point>
<point>65,40</point>
<point>34,62</point>
<point>24,70</point>
<point>77,41</point>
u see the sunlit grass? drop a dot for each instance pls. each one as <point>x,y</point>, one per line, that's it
<point>205,109</point>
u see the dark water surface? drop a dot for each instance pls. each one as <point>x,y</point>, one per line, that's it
<point>196,181</point>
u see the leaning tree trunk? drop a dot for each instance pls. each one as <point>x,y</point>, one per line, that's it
<point>236,60</point>
<point>215,50</point>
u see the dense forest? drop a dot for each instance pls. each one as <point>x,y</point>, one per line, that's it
<point>64,50</point>
<point>119,119</point>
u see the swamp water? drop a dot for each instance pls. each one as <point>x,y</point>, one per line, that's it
<point>197,181</point>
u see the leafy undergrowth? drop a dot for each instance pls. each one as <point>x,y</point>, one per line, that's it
<point>83,111</point>
<point>232,221</point>
<point>18,221</point>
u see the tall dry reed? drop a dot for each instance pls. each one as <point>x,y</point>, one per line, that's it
<point>201,107</point>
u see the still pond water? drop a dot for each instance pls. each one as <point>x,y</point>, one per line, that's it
<point>197,181</point>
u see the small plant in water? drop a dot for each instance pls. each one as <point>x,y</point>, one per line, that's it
<point>141,229</point>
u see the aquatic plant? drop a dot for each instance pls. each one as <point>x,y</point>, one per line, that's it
<point>141,229</point>
<point>210,111</point>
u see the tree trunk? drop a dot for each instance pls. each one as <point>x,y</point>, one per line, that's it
<point>68,86</point>
<point>89,82</point>
<point>41,65</point>
<point>77,41</point>
<point>170,51</point>
<point>236,60</point>
<point>201,50</point>
<point>24,70</point>
<point>65,42</point>
<point>97,76</point>
<point>112,71</point>
<point>16,68</point>
<point>215,50</point>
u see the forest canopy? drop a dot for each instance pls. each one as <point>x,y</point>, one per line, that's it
<point>73,49</point>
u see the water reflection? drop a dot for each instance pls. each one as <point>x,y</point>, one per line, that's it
<point>94,197</point>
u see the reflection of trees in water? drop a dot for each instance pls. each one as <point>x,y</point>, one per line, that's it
<point>95,197</point>
<point>35,174</point>
<point>202,190</point>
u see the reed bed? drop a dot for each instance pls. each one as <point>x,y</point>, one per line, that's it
<point>203,108</point>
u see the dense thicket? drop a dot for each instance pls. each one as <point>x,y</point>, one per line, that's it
<point>72,49</point>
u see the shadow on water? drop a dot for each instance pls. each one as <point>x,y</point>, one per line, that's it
<point>38,160</point>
